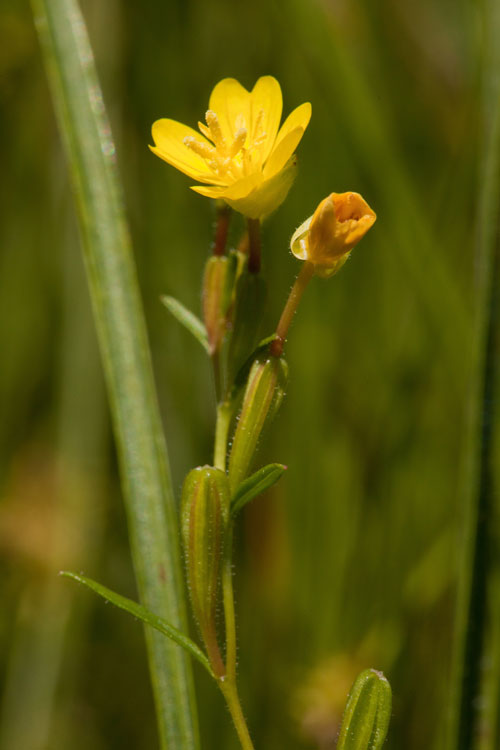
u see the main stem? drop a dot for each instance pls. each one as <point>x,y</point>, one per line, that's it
<point>228,599</point>
<point>230,693</point>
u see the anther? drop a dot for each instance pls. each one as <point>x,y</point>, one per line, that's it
<point>238,143</point>
<point>215,129</point>
<point>202,149</point>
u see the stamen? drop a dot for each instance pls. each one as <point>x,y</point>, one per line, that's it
<point>238,143</point>
<point>202,149</point>
<point>223,165</point>
<point>246,160</point>
<point>215,130</point>
<point>204,130</point>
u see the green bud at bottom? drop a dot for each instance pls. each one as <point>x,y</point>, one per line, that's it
<point>264,393</point>
<point>204,516</point>
<point>367,713</point>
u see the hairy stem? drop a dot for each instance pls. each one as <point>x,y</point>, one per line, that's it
<point>230,693</point>
<point>301,282</point>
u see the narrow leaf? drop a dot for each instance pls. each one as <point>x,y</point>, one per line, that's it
<point>188,320</point>
<point>137,610</point>
<point>255,485</point>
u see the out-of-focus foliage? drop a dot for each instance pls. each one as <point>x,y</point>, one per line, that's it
<point>349,561</point>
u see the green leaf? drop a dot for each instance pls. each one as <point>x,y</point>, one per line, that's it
<point>137,610</point>
<point>188,319</point>
<point>367,713</point>
<point>255,485</point>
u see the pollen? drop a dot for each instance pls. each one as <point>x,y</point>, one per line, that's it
<point>202,149</point>
<point>215,131</point>
<point>234,159</point>
<point>238,143</point>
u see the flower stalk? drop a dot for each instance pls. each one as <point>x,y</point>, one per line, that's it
<point>305,275</point>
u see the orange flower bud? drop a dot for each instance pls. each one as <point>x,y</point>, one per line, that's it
<point>326,238</point>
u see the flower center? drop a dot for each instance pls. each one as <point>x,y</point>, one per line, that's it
<point>236,158</point>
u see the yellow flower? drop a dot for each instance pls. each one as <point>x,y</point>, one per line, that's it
<point>327,237</point>
<point>240,155</point>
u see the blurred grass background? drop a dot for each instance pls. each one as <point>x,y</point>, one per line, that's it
<point>351,561</point>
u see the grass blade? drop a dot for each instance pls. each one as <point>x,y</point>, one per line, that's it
<point>478,574</point>
<point>125,353</point>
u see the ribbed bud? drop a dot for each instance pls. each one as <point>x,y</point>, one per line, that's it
<point>367,713</point>
<point>249,309</point>
<point>204,516</point>
<point>263,395</point>
<point>218,283</point>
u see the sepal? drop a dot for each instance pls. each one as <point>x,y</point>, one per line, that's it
<point>263,395</point>
<point>218,287</point>
<point>204,516</point>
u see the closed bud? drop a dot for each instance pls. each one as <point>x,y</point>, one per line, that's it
<point>249,308</point>
<point>327,237</point>
<point>204,517</point>
<point>367,713</point>
<point>263,395</point>
<point>218,285</point>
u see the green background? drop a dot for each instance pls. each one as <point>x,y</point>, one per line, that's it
<point>350,562</point>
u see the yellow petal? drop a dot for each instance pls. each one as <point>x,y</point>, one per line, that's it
<point>266,96</point>
<point>281,153</point>
<point>236,191</point>
<point>168,136</point>
<point>299,118</point>
<point>209,191</point>
<point>231,103</point>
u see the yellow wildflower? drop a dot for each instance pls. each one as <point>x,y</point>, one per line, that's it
<point>327,237</point>
<point>241,156</point>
